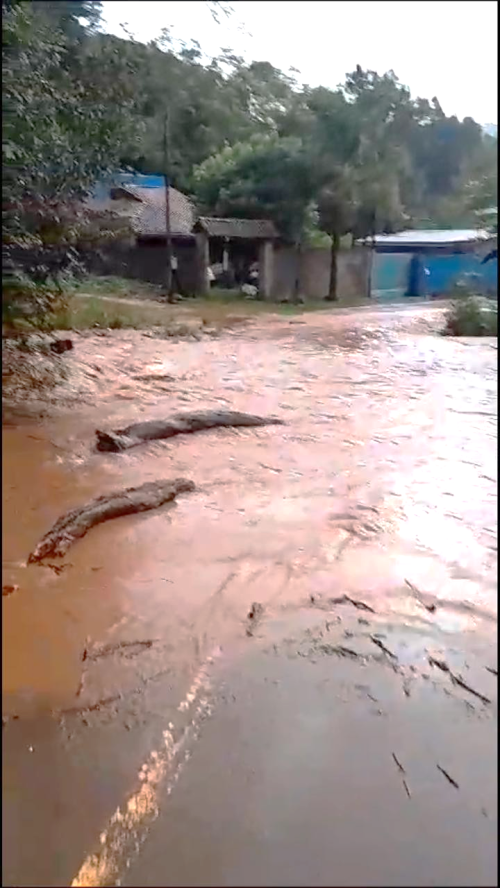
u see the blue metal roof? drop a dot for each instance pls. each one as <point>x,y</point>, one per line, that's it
<point>430,237</point>
<point>101,188</point>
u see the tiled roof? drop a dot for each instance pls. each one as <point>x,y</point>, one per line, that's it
<point>149,220</point>
<point>145,207</point>
<point>146,210</point>
<point>240,228</point>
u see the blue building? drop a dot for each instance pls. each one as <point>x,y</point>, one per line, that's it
<point>429,264</point>
<point>122,178</point>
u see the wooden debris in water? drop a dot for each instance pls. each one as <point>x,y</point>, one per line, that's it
<point>178,424</point>
<point>75,524</point>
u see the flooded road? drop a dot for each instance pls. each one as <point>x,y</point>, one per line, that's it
<point>380,487</point>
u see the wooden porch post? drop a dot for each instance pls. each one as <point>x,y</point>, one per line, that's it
<point>203,257</point>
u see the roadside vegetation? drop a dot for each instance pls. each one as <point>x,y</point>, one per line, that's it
<point>471,315</point>
<point>115,303</point>
<point>86,312</point>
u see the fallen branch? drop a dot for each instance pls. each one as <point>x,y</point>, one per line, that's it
<point>398,763</point>
<point>403,772</point>
<point>346,599</point>
<point>457,679</point>
<point>180,423</point>
<point>123,648</point>
<point>418,595</point>
<point>75,524</point>
<point>448,777</point>
<point>407,788</point>
<point>89,707</point>
<point>340,650</point>
<point>382,647</point>
<point>440,664</point>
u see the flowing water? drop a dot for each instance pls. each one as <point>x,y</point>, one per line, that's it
<point>381,486</point>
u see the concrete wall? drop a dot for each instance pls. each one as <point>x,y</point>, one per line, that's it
<point>314,272</point>
<point>146,261</point>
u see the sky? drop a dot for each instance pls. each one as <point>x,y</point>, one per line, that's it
<point>436,47</point>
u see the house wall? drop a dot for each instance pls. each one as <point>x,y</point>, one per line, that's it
<point>145,261</point>
<point>314,272</point>
<point>390,273</point>
<point>446,271</point>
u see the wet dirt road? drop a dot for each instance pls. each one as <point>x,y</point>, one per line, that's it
<point>381,487</point>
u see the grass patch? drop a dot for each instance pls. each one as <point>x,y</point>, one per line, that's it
<point>98,302</point>
<point>87,312</point>
<point>234,301</point>
<point>472,316</point>
<point>94,312</point>
<point>120,288</point>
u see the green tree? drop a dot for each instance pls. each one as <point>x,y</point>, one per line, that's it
<point>267,177</point>
<point>336,210</point>
<point>210,105</point>
<point>75,18</point>
<point>67,110</point>
<point>332,138</point>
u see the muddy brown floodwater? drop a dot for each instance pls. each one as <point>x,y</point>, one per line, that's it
<point>365,528</point>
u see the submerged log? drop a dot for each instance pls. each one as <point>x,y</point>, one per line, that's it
<point>75,524</point>
<point>178,424</point>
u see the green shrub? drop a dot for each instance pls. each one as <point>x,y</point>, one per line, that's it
<point>27,303</point>
<point>472,316</point>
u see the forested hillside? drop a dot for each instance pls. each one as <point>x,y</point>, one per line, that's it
<point>245,138</point>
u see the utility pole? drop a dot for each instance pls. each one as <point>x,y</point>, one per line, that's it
<point>166,163</point>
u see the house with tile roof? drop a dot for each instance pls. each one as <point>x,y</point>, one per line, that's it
<point>231,246</point>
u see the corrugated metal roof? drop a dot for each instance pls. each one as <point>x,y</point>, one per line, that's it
<point>431,237</point>
<point>240,228</point>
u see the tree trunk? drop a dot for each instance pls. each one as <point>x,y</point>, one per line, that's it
<point>332,289</point>
<point>75,524</point>
<point>296,284</point>
<point>179,424</point>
